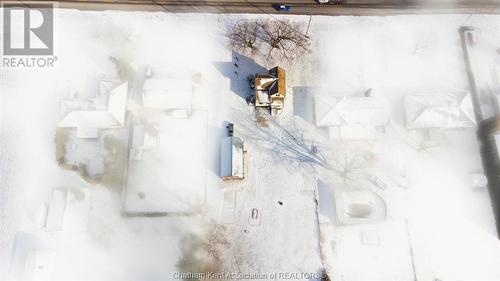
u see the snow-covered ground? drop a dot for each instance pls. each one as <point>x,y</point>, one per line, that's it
<point>437,226</point>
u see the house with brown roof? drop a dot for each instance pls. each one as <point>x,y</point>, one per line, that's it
<point>270,90</point>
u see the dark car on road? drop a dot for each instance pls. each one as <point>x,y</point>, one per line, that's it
<point>281,7</point>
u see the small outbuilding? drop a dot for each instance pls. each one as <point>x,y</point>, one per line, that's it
<point>232,158</point>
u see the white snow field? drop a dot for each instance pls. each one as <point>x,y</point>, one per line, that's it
<point>435,225</point>
<point>171,178</point>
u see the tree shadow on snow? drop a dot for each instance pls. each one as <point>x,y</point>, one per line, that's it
<point>284,140</point>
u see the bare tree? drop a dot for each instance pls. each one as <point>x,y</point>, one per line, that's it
<point>243,36</point>
<point>282,38</point>
<point>205,252</point>
<point>348,166</point>
<point>285,38</point>
<point>324,276</point>
<point>215,242</point>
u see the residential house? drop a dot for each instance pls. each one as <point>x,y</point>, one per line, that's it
<point>270,89</point>
<point>351,117</point>
<point>104,111</point>
<point>439,111</point>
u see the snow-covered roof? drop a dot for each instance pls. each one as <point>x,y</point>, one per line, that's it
<point>170,178</point>
<point>264,83</point>
<point>138,135</point>
<point>270,88</point>
<point>232,157</point>
<point>439,111</point>
<point>167,93</point>
<point>346,110</point>
<point>262,96</point>
<point>106,110</point>
<point>87,132</point>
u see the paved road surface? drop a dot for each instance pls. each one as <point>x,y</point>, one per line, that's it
<point>307,7</point>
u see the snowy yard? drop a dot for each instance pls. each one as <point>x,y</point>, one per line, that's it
<point>436,226</point>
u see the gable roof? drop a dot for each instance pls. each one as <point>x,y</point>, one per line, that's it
<point>272,83</point>
<point>280,87</point>
<point>232,158</point>
<point>346,110</point>
<point>106,110</point>
<point>439,111</point>
<point>264,81</point>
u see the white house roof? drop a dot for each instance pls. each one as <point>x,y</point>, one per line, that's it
<point>117,103</point>
<point>232,157</point>
<point>167,93</point>
<point>346,110</point>
<point>106,110</point>
<point>262,96</point>
<point>138,135</point>
<point>439,111</point>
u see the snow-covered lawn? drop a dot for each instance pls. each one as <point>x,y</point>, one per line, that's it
<point>436,226</point>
